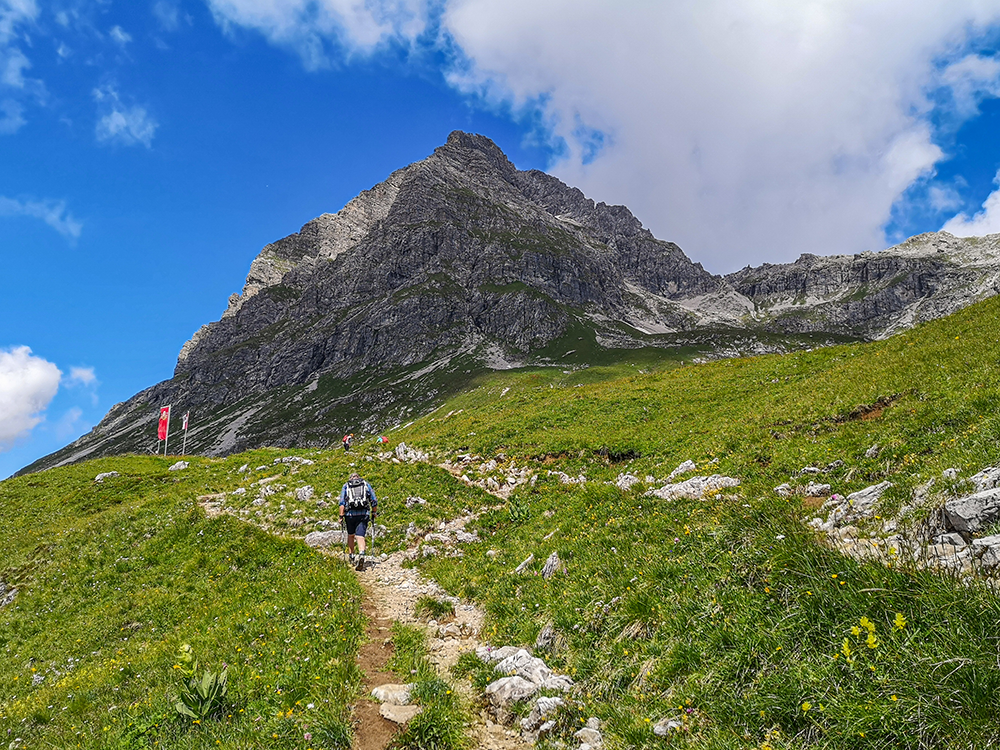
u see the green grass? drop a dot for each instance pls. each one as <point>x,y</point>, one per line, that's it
<point>432,608</point>
<point>727,614</point>
<point>114,577</point>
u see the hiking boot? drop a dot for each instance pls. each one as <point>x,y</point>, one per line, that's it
<point>352,559</point>
<point>361,563</point>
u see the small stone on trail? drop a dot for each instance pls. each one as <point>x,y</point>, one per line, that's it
<point>398,714</point>
<point>397,695</point>
<point>106,475</point>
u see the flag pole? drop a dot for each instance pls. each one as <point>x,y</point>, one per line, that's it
<point>166,435</point>
<point>185,441</point>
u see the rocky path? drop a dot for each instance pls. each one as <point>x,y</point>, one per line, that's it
<point>391,591</point>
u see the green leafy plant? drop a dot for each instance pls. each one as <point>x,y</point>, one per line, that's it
<point>204,697</point>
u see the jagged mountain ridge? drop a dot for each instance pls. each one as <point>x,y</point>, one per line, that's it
<point>461,261</point>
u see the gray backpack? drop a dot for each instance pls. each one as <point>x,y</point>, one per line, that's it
<point>357,496</point>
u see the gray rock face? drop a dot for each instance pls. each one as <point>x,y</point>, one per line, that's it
<point>972,514</point>
<point>460,261</point>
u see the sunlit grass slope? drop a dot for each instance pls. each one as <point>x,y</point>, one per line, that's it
<point>726,614</point>
<point>729,615</point>
<point>114,577</point>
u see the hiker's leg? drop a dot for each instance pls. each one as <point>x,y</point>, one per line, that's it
<point>361,530</point>
<point>350,544</point>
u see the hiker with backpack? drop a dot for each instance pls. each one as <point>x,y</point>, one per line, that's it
<point>358,506</point>
<point>347,441</point>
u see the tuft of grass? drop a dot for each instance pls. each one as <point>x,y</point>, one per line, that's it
<point>431,608</point>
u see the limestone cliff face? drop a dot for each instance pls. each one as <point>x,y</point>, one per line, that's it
<point>461,262</point>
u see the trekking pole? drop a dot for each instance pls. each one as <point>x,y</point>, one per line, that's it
<point>373,536</point>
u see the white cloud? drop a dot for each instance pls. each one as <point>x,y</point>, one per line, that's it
<point>120,36</point>
<point>745,130</point>
<point>309,26</point>
<point>27,386</point>
<point>120,123</point>
<point>986,221</point>
<point>82,375</point>
<point>53,213</point>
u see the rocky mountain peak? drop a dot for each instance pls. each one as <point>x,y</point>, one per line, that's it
<point>460,263</point>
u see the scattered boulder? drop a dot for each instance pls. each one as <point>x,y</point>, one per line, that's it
<point>971,514</point>
<point>294,460</point>
<point>684,468</point>
<point>950,473</point>
<point>814,489</point>
<point>625,481</point>
<point>809,470</point>
<point>326,539</point>
<point>106,475</point>
<point>544,706</point>
<point>6,594</point>
<point>533,669</point>
<point>694,488</point>
<point>414,500</point>
<point>410,455</point>
<point>304,494</point>
<point>987,549</point>
<point>527,561</point>
<point>567,479</point>
<point>590,738</point>
<point>466,537</point>
<point>986,479</point>
<point>506,691</point>
<point>397,695</point>
<point>179,466</point>
<point>784,490</point>
<point>491,655</point>
<point>873,451</point>
<point>552,566</point>
<point>244,469</point>
<point>665,726</point>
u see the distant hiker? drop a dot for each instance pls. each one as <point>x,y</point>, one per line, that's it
<point>347,441</point>
<point>358,507</point>
<point>382,440</point>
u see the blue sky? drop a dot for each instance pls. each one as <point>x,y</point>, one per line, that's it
<point>149,149</point>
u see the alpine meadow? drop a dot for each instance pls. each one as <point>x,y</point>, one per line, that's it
<point>698,608</point>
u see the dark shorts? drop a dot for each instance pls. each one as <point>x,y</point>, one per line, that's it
<point>356,525</point>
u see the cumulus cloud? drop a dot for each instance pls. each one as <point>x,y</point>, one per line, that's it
<point>127,125</point>
<point>985,221</point>
<point>310,27</point>
<point>52,212</point>
<point>27,386</point>
<point>745,130</point>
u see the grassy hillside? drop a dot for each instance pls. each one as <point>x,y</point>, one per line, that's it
<point>726,614</point>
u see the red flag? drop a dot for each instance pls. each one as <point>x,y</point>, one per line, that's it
<point>161,433</point>
<point>186,420</point>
